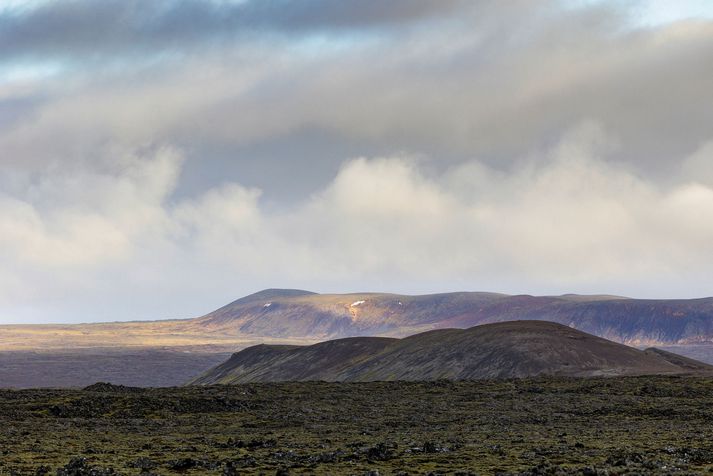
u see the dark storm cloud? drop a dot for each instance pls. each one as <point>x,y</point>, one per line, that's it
<point>116,27</point>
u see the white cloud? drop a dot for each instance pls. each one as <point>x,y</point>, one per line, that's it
<point>699,166</point>
<point>436,157</point>
<point>564,220</point>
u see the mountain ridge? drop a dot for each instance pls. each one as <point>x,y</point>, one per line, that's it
<point>294,313</point>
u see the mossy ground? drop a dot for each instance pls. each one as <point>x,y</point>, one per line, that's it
<point>638,425</point>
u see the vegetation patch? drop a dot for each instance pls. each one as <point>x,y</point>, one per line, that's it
<point>596,426</point>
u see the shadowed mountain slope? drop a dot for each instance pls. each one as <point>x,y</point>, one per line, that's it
<point>271,363</point>
<point>680,360</point>
<point>503,350</point>
<point>300,314</point>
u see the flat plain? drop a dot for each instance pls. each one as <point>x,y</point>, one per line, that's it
<point>154,353</point>
<point>622,425</point>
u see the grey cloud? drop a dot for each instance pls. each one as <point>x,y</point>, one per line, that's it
<point>15,110</point>
<point>450,94</point>
<point>93,29</point>
<point>517,147</point>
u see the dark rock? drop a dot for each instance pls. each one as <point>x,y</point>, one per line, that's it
<point>381,452</point>
<point>79,467</point>
<point>110,387</point>
<point>143,463</point>
<point>230,469</point>
<point>182,464</point>
<point>430,447</point>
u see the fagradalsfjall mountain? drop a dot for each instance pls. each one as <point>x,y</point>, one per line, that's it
<point>303,314</point>
<point>504,350</point>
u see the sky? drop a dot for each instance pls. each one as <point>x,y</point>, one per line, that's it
<point>160,159</point>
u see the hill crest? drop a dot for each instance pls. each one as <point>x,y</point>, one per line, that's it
<point>302,314</point>
<point>503,350</point>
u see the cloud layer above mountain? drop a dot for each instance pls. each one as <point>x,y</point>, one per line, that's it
<point>158,160</point>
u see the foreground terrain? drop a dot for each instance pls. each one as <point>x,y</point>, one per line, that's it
<point>623,425</point>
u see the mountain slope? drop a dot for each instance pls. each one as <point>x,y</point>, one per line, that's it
<point>283,313</point>
<point>268,363</point>
<point>299,314</point>
<point>503,350</point>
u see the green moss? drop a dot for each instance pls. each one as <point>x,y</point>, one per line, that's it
<point>625,424</point>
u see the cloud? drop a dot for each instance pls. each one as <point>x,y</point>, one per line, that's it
<point>78,218</point>
<point>83,30</point>
<point>565,220</point>
<point>185,153</point>
<point>699,166</point>
<point>501,90</point>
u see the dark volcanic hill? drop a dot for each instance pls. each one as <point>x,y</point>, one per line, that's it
<point>302,314</point>
<point>503,350</point>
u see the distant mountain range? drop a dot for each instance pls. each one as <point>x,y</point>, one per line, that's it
<point>503,350</point>
<point>292,313</point>
<point>72,354</point>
